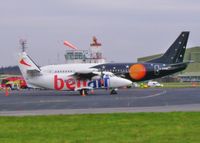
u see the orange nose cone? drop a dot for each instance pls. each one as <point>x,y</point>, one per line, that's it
<point>137,71</point>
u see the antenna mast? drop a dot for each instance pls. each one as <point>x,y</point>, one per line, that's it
<point>23,44</point>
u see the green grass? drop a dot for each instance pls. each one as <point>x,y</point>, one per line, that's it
<point>180,85</point>
<point>175,127</point>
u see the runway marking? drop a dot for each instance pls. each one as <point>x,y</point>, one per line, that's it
<point>172,108</point>
<point>40,101</point>
<point>52,101</point>
<point>154,95</point>
<point>143,97</point>
<point>67,100</point>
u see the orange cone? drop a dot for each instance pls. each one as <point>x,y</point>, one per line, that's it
<point>92,91</point>
<point>83,93</point>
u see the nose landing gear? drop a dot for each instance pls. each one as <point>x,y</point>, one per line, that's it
<point>113,91</point>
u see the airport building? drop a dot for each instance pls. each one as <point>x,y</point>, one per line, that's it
<point>93,55</point>
<point>191,73</point>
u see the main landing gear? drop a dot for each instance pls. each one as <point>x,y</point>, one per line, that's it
<point>83,92</point>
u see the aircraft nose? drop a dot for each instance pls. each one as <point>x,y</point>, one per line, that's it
<point>119,82</point>
<point>127,82</point>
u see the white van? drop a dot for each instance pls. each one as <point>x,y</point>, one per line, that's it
<point>154,84</point>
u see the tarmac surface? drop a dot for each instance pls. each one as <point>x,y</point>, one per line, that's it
<point>46,102</point>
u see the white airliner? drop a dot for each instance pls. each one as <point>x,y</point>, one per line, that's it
<point>84,77</point>
<point>75,77</point>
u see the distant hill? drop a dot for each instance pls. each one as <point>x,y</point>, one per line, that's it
<point>10,70</point>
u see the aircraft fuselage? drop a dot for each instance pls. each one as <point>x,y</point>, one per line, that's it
<point>141,71</point>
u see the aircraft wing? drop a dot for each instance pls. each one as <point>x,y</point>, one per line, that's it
<point>86,74</point>
<point>188,62</point>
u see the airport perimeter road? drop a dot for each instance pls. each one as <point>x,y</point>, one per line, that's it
<point>35,102</point>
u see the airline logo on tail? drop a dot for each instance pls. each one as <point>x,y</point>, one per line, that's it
<point>24,63</point>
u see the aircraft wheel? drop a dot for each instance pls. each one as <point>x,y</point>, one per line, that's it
<point>83,92</point>
<point>113,91</point>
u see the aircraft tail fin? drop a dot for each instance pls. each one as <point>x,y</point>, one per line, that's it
<point>176,51</point>
<point>27,65</point>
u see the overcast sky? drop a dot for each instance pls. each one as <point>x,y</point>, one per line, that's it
<point>128,29</point>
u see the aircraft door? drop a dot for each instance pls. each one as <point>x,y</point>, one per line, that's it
<point>156,69</point>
